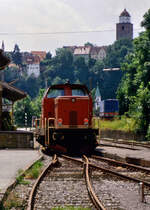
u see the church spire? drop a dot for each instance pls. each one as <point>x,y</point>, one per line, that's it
<point>97,98</point>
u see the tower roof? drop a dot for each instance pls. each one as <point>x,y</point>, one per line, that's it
<point>124,14</point>
<point>97,93</point>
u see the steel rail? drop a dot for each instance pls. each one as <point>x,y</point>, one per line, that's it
<point>122,163</point>
<point>91,192</point>
<point>120,175</point>
<point>36,184</point>
<point>73,159</point>
<point>110,171</point>
<point>111,145</point>
<point>146,145</point>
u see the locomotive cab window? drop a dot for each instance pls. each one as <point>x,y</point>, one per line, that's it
<point>53,93</point>
<point>79,92</point>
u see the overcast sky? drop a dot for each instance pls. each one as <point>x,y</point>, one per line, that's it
<point>37,24</point>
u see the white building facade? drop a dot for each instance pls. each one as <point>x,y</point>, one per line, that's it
<point>33,68</point>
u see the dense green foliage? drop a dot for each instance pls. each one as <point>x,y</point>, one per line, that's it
<point>31,107</point>
<point>134,91</point>
<point>17,56</point>
<point>124,123</point>
<point>116,53</point>
<point>62,67</point>
<point>22,108</point>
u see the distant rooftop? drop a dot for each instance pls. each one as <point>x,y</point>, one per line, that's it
<point>41,54</point>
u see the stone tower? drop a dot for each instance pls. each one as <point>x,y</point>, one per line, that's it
<point>124,29</point>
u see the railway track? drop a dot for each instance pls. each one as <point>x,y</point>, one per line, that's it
<point>110,184</point>
<point>122,164</point>
<point>121,189</point>
<point>53,163</point>
<point>62,185</point>
<point>127,171</point>
<point>64,178</point>
<point>126,176</point>
<point>125,144</point>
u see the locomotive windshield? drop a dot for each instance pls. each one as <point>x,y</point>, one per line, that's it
<point>53,93</point>
<point>79,92</point>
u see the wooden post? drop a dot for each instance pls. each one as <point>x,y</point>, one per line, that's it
<point>1,89</point>
<point>12,116</point>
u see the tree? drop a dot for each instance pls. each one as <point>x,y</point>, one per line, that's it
<point>48,56</point>
<point>80,69</point>
<point>20,108</point>
<point>88,44</point>
<point>146,21</point>
<point>64,60</point>
<point>10,74</point>
<point>116,53</point>
<point>135,86</point>
<point>37,103</point>
<point>17,56</point>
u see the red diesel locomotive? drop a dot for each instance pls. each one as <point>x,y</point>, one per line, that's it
<point>66,121</point>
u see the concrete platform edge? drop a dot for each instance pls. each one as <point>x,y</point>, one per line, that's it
<point>132,160</point>
<point>13,184</point>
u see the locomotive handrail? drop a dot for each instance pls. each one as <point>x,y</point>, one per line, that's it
<point>49,126</point>
<point>51,119</point>
<point>45,131</point>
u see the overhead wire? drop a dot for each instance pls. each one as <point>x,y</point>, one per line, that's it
<point>58,32</point>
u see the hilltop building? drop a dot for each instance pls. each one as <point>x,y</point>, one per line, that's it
<point>95,52</point>
<point>124,29</point>
<point>32,61</point>
<point>40,54</point>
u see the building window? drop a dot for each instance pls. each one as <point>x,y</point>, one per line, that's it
<point>123,28</point>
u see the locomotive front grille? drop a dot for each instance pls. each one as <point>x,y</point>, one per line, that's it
<point>73,119</point>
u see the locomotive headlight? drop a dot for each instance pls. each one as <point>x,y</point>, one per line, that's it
<point>86,121</point>
<point>59,122</point>
<point>73,100</point>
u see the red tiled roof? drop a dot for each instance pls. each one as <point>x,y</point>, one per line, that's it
<point>41,54</point>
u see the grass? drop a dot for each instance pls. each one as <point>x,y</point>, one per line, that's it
<point>70,208</point>
<point>32,173</point>
<point>20,178</point>
<point>13,202</point>
<point>124,124</point>
<point>35,170</point>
